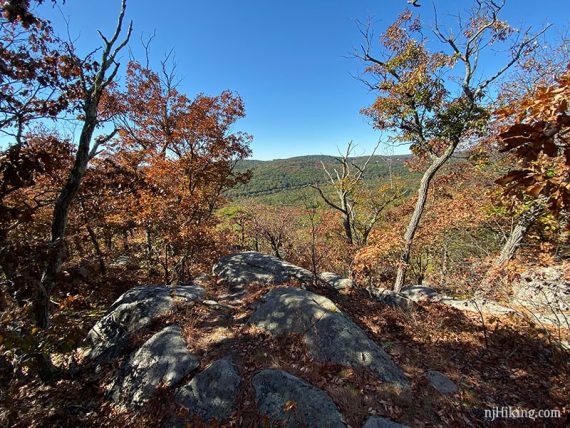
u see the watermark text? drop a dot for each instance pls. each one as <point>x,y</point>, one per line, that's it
<point>509,412</point>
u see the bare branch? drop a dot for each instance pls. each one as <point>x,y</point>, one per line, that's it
<point>516,56</point>
<point>100,141</point>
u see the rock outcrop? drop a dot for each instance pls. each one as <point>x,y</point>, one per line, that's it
<point>136,309</point>
<point>163,360</point>
<point>291,402</point>
<point>378,422</point>
<point>335,281</point>
<point>420,293</point>
<point>242,269</point>
<point>212,393</point>
<point>390,298</point>
<point>477,304</point>
<point>545,293</point>
<point>441,383</point>
<point>330,336</point>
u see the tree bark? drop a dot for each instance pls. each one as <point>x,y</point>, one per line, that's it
<point>512,244</point>
<point>60,215</point>
<point>100,256</point>
<point>423,190</point>
<point>93,91</point>
<point>347,228</point>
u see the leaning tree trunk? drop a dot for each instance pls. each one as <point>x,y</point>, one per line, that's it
<point>346,220</point>
<point>93,91</point>
<point>60,215</point>
<point>423,190</point>
<point>512,244</point>
<point>524,223</point>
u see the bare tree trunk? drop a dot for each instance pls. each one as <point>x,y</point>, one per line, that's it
<point>165,265</point>
<point>148,242</point>
<point>512,244</point>
<point>443,271</point>
<point>126,246</point>
<point>518,233</point>
<point>60,215</point>
<point>98,251</point>
<point>345,183</point>
<point>347,228</point>
<point>423,190</point>
<point>314,257</point>
<point>275,246</point>
<point>93,91</point>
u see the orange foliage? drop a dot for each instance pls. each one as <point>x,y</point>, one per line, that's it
<point>538,139</point>
<point>458,206</point>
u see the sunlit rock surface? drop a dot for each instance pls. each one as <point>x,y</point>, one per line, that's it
<point>242,269</point>
<point>335,281</point>
<point>330,335</point>
<point>136,309</point>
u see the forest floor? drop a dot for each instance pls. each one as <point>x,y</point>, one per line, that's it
<point>501,362</point>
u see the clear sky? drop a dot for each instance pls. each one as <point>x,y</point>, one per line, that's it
<point>289,60</point>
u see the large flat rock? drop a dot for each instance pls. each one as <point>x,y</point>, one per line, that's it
<point>134,310</point>
<point>390,298</point>
<point>242,269</point>
<point>291,402</point>
<point>212,393</point>
<point>163,360</point>
<point>330,336</point>
<point>441,383</point>
<point>545,292</point>
<point>477,304</point>
<point>420,293</point>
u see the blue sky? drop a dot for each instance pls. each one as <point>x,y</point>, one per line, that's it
<point>287,59</point>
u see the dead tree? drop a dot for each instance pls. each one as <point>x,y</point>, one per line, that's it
<point>94,86</point>
<point>347,183</point>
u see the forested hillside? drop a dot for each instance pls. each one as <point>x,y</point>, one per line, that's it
<point>299,172</point>
<point>153,275</point>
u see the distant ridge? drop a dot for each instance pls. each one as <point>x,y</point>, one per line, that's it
<point>278,175</point>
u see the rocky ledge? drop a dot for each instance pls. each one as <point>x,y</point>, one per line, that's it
<point>144,348</point>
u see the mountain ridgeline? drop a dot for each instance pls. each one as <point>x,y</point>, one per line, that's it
<point>293,174</point>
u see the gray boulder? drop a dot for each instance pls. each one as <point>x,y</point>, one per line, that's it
<point>311,407</point>
<point>211,394</point>
<point>378,422</point>
<point>335,281</point>
<point>441,383</point>
<point>390,298</point>
<point>242,269</point>
<point>136,309</point>
<point>163,360</point>
<point>186,293</point>
<point>420,293</point>
<point>413,294</point>
<point>330,336</point>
